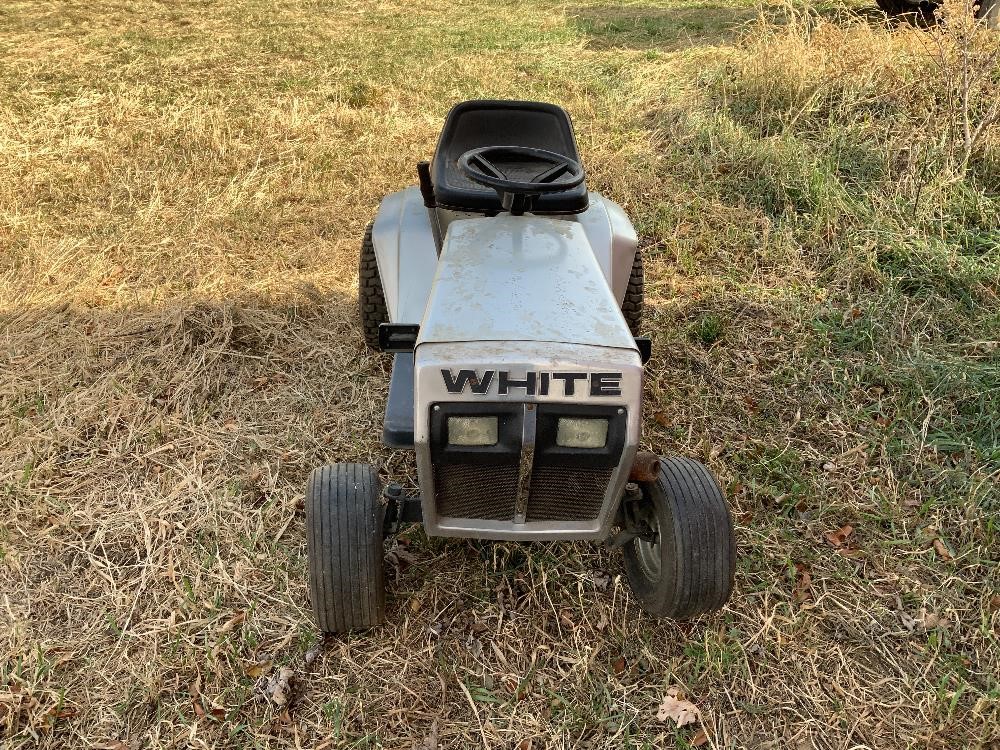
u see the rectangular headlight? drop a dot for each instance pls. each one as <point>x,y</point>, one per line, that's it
<point>479,431</point>
<point>573,432</point>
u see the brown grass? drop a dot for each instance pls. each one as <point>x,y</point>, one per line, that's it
<point>182,191</point>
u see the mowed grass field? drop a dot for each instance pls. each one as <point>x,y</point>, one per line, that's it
<point>183,190</point>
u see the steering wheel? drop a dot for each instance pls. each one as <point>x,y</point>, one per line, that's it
<point>540,171</point>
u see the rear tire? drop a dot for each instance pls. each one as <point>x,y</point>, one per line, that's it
<point>371,296</point>
<point>634,295</point>
<point>344,538</point>
<point>989,11</point>
<point>690,570</point>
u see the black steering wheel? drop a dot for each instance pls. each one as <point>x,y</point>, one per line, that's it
<point>530,172</point>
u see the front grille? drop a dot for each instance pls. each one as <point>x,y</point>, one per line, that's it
<point>562,493</point>
<point>476,491</point>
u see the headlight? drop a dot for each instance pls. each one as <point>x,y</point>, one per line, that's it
<point>573,432</point>
<point>472,431</point>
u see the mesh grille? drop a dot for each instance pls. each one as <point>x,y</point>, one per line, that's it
<point>560,493</point>
<point>476,491</point>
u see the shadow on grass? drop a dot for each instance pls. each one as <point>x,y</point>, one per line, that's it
<point>650,28</point>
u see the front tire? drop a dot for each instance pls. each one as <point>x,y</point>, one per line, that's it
<point>690,567</point>
<point>344,538</point>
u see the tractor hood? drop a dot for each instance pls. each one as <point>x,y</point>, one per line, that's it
<point>521,278</point>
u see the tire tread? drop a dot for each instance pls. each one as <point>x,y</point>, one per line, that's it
<point>344,537</point>
<point>698,568</point>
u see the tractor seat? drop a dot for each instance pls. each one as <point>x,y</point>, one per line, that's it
<point>479,123</point>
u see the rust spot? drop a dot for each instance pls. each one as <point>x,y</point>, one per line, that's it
<point>645,468</point>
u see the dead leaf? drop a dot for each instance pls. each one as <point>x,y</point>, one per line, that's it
<point>257,668</point>
<point>930,620</point>
<point>908,622</point>
<point>431,740</point>
<point>618,665</point>
<point>839,537</point>
<point>700,738</point>
<point>279,689</point>
<point>680,711</point>
<point>601,579</point>
<point>803,584</point>
<point>313,653</point>
<point>942,549</point>
<point>233,622</point>
<point>661,418</point>
<point>194,690</point>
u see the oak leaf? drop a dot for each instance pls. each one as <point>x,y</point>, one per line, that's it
<point>680,711</point>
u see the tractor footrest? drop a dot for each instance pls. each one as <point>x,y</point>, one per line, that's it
<point>397,429</point>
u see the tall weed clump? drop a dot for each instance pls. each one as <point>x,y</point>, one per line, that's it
<point>877,145</point>
<point>872,152</point>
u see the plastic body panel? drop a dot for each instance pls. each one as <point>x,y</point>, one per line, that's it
<point>407,253</point>
<point>522,278</point>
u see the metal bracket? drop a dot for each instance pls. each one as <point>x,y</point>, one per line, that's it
<point>632,519</point>
<point>400,509</point>
<point>397,337</point>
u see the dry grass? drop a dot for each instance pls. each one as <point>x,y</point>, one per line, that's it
<point>182,190</point>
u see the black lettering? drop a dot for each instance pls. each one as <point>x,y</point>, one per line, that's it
<point>606,384</point>
<point>470,378</point>
<point>506,383</point>
<point>543,385</point>
<point>569,379</point>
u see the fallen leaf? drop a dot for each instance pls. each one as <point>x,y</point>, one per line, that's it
<point>601,579</point>
<point>618,665</point>
<point>930,620</point>
<point>279,688</point>
<point>680,711</point>
<point>839,537</point>
<point>233,622</point>
<point>313,653</point>
<point>941,549</point>
<point>661,418</point>
<point>803,583</point>
<point>431,740</point>
<point>257,668</point>
<point>908,622</point>
<point>700,738</point>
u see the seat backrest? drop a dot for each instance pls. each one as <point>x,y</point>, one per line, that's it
<point>479,123</point>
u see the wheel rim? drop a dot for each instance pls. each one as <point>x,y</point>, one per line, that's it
<point>649,553</point>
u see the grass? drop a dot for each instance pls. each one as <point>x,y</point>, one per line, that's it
<point>182,191</point>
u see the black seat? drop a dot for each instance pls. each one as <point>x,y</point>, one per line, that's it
<point>475,124</point>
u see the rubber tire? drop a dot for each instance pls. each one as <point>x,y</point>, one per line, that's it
<point>895,7</point>
<point>634,296</point>
<point>371,295</point>
<point>989,11</point>
<point>344,538</point>
<point>697,546</point>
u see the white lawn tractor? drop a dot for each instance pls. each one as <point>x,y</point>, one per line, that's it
<point>510,298</point>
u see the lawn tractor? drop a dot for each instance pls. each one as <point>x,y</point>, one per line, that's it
<point>510,298</point>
